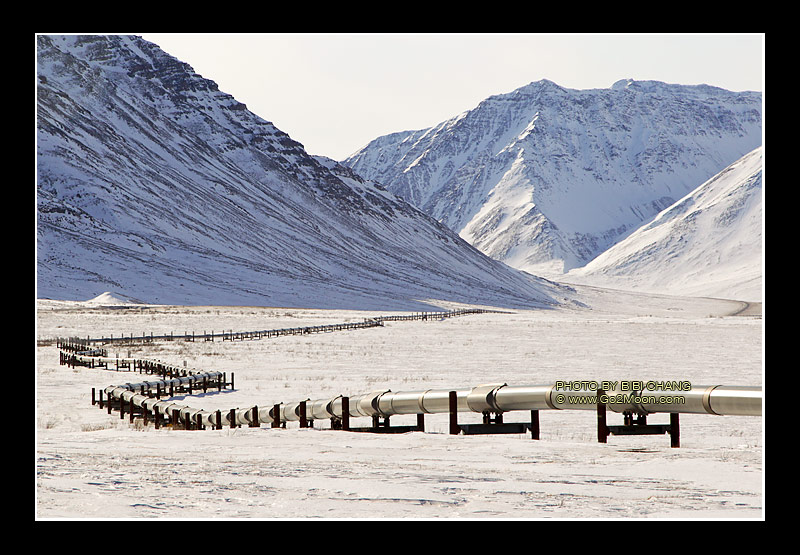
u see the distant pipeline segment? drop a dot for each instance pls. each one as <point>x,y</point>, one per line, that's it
<point>83,346</point>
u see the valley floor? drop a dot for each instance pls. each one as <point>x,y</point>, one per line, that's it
<point>91,465</point>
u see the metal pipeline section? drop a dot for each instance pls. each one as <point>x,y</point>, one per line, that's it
<point>498,398</point>
<point>492,398</point>
<point>698,399</point>
<point>714,399</point>
<point>141,396</point>
<point>82,346</point>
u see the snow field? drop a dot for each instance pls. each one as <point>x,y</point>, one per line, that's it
<point>94,465</point>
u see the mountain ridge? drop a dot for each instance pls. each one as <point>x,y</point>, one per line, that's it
<point>708,243</point>
<point>545,178</point>
<point>154,184</point>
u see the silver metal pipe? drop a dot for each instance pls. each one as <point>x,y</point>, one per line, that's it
<point>289,411</point>
<point>483,398</point>
<point>149,403</point>
<point>402,402</point>
<point>322,408</point>
<point>718,400</point>
<point>242,416</point>
<point>368,404</point>
<point>524,397</point>
<point>707,399</point>
<point>438,400</point>
<point>493,397</point>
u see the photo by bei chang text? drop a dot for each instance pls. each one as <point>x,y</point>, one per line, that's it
<point>635,390</point>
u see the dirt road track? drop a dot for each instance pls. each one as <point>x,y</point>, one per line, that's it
<point>748,309</point>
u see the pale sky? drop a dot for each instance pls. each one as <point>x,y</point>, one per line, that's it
<point>336,92</point>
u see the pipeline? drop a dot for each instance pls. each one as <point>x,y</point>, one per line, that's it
<point>146,395</point>
<point>635,397</point>
<point>75,351</point>
<point>81,345</point>
<point>500,398</point>
<point>717,400</point>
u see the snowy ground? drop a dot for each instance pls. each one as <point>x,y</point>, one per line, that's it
<point>91,465</point>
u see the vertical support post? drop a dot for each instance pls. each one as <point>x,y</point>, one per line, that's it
<point>232,417</point>
<point>254,418</point>
<point>602,429</point>
<point>346,414</point>
<point>303,418</point>
<point>219,420</point>
<point>674,430</point>
<point>627,419</point>
<point>421,422</point>
<point>121,408</point>
<point>534,424</point>
<point>453,400</point>
<point>130,410</point>
<point>276,414</point>
<point>157,417</point>
<point>93,401</point>
<point>100,402</point>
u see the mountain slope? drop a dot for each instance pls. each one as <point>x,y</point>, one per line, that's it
<point>545,178</point>
<point>709,243</point>
<point>154,184</point>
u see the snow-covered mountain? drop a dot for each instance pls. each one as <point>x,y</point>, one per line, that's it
<point>709,243</point>
<point>155,185</point>
<point>546,178</point>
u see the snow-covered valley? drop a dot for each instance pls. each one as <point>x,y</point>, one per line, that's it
<point>90,464</point>
<point>165,205</point>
